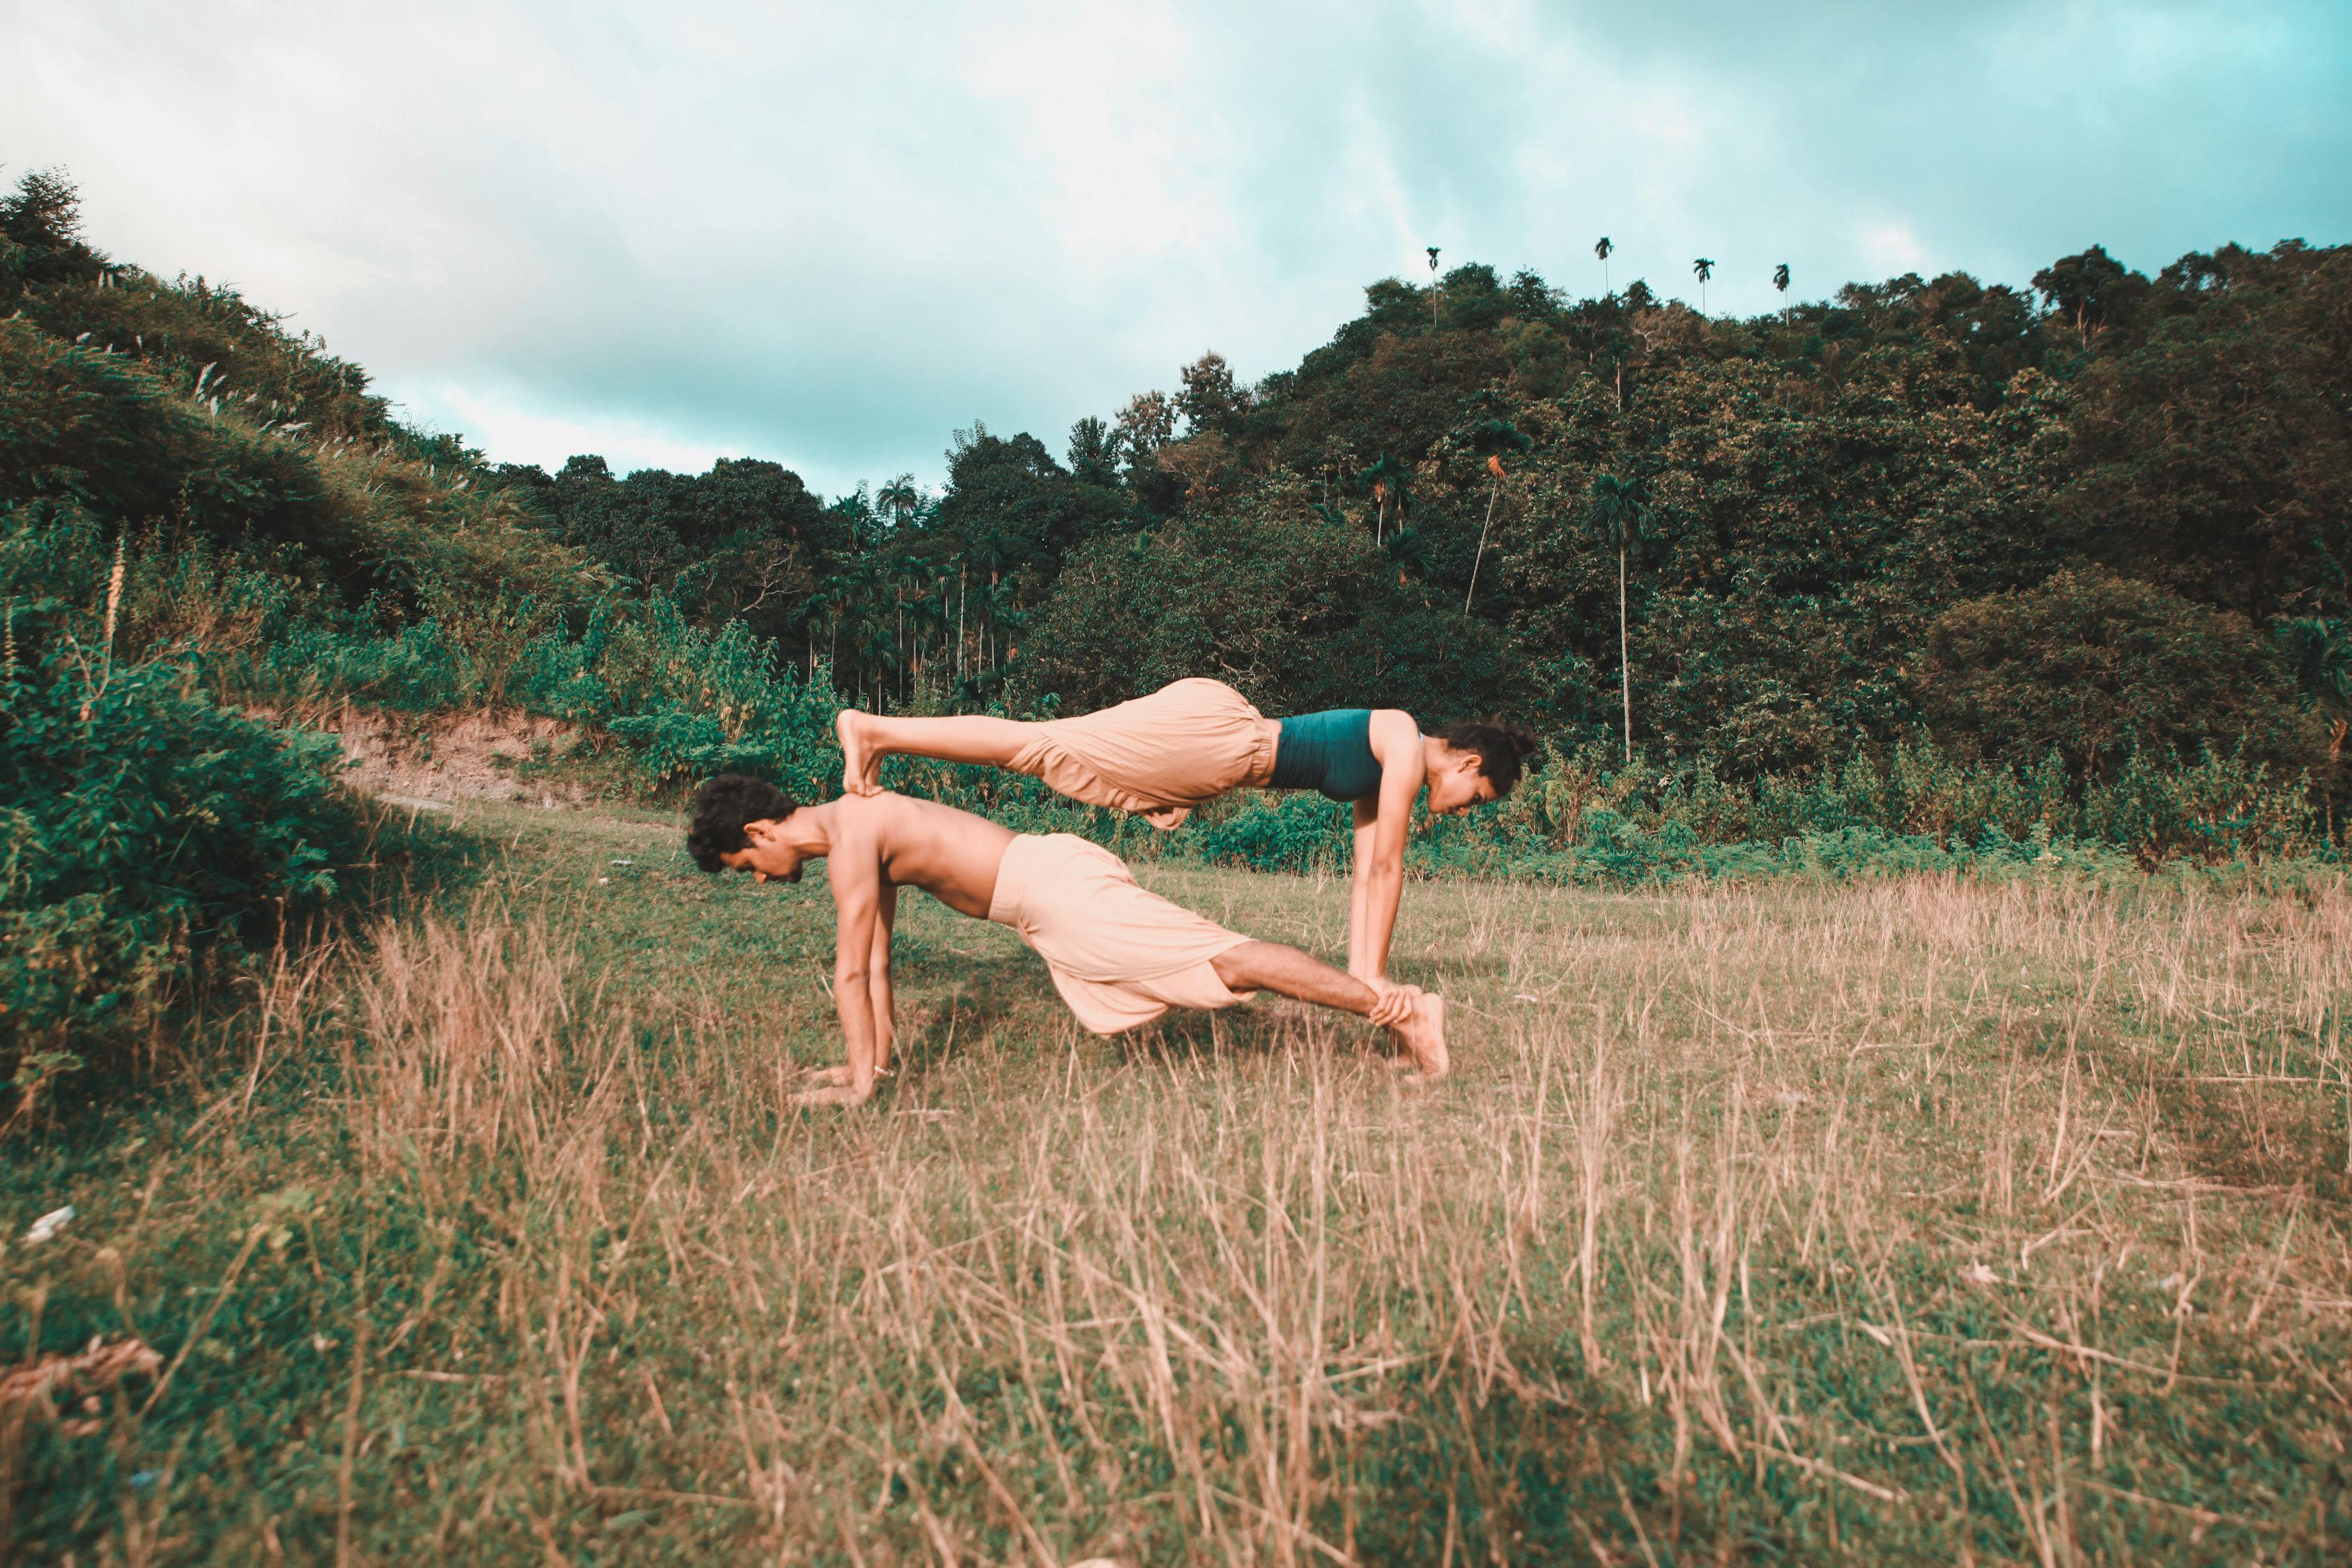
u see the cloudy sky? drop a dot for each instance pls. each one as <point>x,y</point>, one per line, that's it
<point>830,234</point>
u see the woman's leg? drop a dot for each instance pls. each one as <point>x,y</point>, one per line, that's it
<point>867,738</point>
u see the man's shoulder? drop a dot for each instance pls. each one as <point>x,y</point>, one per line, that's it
<point>889,811</point>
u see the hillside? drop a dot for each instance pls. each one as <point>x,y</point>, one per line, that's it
<point>1920,505</point>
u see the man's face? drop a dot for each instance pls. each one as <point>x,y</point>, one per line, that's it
<point>1456,784</point>
<point>767,855</point>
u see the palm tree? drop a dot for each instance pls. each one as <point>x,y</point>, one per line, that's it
<point>1781,281</point>
<point>2321,653</point>
<point>1432,285</point>
<point>1601,251</point>
<point>1386,477</point>
<point>1409,553</point>
<point>1705,267</point>
<point>1618,516</point>
<point>900,499</point>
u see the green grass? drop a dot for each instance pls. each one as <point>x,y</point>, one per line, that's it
<point>1898,1220</point>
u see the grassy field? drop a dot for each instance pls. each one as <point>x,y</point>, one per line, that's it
<point>1911,1220</point>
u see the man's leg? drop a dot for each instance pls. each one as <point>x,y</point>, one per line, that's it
<point>1287,971</point>
<point>867,738</point>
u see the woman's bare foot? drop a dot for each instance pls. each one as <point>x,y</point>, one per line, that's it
<point>832,1075</point>
<point>1424,1037</point>
<point>857,769</point>
<point>1168,818</point>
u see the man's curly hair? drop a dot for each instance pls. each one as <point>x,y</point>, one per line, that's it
<point>723,807</point>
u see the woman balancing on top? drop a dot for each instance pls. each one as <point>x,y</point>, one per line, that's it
<point>1191,742</point>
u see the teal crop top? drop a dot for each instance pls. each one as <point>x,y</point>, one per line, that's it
<point>1330,751</point>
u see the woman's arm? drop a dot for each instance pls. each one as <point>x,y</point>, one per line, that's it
<point>1379,884</point>
<point>1368,817</point>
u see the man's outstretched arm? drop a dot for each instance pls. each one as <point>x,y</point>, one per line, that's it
<point>856,873</point>
<point>877,974</point>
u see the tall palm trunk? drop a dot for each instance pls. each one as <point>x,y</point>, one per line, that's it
<point>1494,494</point>
<point>1624,664</point>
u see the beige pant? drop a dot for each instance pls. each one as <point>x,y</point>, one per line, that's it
<point>1185,743</point>
<point>1119,956</point>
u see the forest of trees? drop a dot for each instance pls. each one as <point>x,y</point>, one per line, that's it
<point>2112,511</point>
<point>2106,514</point>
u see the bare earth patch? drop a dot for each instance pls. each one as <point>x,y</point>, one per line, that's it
<point>428,761</point>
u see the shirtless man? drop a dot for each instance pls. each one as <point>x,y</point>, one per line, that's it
<point>1119,956</point>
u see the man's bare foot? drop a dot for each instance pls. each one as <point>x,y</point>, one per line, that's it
<point>1168,818</point>
<point>857,769</point>
<point>1424,1037</point>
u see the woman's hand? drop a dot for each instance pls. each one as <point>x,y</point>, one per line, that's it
<point>1393,1003</point>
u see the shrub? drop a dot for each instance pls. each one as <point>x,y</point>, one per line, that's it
<point>1290,832</point>
<point>145,834</point>
<point>2098,667</point>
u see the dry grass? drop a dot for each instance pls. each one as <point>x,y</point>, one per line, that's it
<point>1917,1220</point>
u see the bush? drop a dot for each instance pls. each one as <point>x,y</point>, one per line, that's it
<point>145,834</point>
<point>2098,668</point>
<point>1289,832</point>
<point>1296,610</point>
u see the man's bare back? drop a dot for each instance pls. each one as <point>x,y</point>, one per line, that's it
<point>951,855</point>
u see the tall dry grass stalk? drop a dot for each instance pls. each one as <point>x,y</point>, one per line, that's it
<point>114,597</point>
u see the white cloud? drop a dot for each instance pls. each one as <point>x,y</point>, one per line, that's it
<point>1890,248</point>
<point>512,429</point>
<point>831,233</point>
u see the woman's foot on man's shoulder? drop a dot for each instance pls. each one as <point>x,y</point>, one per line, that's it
<point>857,767</point>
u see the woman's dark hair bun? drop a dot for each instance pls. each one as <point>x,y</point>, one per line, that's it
<point>1500,747</point>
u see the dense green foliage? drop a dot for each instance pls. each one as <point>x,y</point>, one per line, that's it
<point>143,830</point>
<point>2100,669</point>
<point>1836,507</point>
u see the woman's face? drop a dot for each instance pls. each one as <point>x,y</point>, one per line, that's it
<point>1456,783</point>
